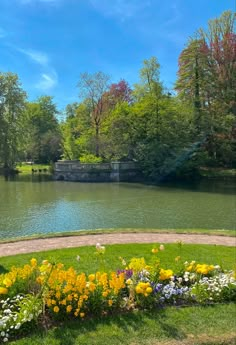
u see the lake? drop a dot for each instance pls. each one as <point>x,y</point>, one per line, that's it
<point>37,205</point>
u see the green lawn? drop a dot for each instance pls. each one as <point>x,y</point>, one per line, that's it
<point>210,254</point>
<point>212,325</point>
<point>27,169</point>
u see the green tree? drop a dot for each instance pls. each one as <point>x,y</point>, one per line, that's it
<point>43,132</point>
<point>76,131</point>
<point>12,105</point>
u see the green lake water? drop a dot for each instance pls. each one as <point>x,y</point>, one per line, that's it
<point>36,205</point>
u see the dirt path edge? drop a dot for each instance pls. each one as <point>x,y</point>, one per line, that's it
<point>38,245</point>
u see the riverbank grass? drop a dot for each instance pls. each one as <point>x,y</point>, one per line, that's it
<point>27,168</point>
<point>217,172</point>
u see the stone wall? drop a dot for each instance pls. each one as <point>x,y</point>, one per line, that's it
<point>97,172</point>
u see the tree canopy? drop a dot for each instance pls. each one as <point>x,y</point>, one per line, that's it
<point>162,131</point>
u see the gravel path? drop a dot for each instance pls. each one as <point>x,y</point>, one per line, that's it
<point>38,245</point>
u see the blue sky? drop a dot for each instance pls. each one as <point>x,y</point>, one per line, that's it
<point>48,43</point>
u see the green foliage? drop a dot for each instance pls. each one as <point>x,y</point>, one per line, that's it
<point>89,158</point>
<point>43,143</point>
<point>12,105</point>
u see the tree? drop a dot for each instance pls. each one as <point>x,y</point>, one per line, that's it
<point>92,88</point>
<point>207,81</point>
<point>12,104</point>
<point>76,131</point>
<point>149,79</point>
<point>43,133</point>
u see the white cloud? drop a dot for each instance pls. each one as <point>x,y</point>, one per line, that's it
<point>47,81</point>
<point>122,9</point>
<point>48,77</point>
<point>36,56</point>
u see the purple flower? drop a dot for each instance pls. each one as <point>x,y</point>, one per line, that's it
<point>128,273</point>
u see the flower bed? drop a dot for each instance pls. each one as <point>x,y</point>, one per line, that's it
<point>47,291</point>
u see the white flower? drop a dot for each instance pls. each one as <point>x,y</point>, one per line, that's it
<point>17,325</point>
<point>98,246</point>
<point>78,258</point>
<point>162,247</point>
<point>2,334</point>
<point>5,340</point>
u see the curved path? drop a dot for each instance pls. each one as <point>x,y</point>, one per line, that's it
<point>38,245</point>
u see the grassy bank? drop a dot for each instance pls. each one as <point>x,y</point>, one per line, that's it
<point>27,169</point>
<point>217,172</point>
<point>205,325</point>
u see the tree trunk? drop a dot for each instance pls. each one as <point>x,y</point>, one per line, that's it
<point>97,140</point>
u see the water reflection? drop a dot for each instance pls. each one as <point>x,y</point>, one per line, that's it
<point>36,204</point>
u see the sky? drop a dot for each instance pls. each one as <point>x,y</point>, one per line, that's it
<point>48,43</point>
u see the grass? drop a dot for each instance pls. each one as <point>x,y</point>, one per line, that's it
<point>219,232</point>
<point>217,172</point>
<point>27,169</point>
<point>212,325</point>
<point>210,254</point>
<point>209,325</point>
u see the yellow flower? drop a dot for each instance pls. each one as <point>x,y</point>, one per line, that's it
<point>82,315</point>
<point>91,277</point>
<point>138,289</point>
<point>69,298</point>
<point>58,295</point>
<point>137,264</point>
<point>104,294</point>
<point>3,291</point>
<point>177,258</point>
<point>154,251</point>
<point>56,309</point>
<point>68,308</point>
<point>165,274</point>
<point>63,302</point>
<point>49,302</point>
<point>33,262</point>
<point>110,302</point>
<point>7,282</point>
<point>149,290</point>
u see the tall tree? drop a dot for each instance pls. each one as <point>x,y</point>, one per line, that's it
<point>207,80</point>
<point>43,136</point>
<point>12,104</point>
<point>93,87</point>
